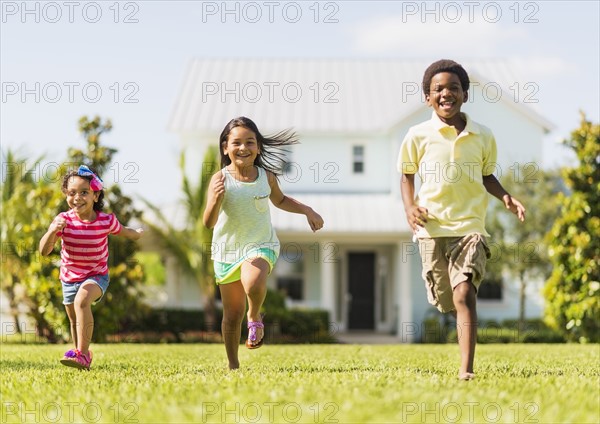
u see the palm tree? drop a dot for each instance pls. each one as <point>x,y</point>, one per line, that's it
<point>29,202</point>
<point>13,174</point>
<point>190,246</point>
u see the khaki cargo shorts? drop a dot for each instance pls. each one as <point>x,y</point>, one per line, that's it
<point>449,261</point>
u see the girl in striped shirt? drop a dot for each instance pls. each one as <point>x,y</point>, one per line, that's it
<point>84,231</point>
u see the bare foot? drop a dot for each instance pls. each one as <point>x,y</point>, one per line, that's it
<point>465,376</point>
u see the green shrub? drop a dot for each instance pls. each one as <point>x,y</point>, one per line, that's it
<point>180,326</point>
<point>299,326</point>
<point>436,327</point>
<point>434,331</point>
<point>508,332</point>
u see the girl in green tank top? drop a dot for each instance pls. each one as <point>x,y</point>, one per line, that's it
<point>245,246</point>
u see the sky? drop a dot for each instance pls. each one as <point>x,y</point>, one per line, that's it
<point>126,61</point>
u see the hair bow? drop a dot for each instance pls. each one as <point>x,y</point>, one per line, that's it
<point>95,183</point>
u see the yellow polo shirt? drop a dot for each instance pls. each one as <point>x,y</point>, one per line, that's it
<point>451,169</point>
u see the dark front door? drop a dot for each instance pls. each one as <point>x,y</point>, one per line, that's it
<point>361,288</point>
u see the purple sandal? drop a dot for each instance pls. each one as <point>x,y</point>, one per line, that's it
<point>252,326</point>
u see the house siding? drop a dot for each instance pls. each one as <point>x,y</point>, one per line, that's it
<point>323,164</point>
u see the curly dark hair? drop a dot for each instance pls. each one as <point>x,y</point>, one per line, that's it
<point>445,65</point>
<point>99,204</point>
<point>272,155</point>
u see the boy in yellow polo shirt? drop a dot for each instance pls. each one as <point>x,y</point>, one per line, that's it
<point>455,158</point>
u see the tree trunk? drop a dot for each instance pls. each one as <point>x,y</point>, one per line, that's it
<point>42,328</point>
<point>522,298</point>
<point>13,308</point>
<point>210,309</point>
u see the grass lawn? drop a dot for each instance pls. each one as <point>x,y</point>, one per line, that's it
<point>132,383</point>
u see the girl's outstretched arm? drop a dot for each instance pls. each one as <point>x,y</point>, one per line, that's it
<point>130,233</point>
<point>290,204</point>
<point>216,192</point>
<point>49,239</point>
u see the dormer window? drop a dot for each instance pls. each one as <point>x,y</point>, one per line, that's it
<point>358,159</point>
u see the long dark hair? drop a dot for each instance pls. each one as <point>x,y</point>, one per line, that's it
<point>99,204</point>
<point>273,150</point>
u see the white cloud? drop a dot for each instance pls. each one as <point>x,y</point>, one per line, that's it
<point>398,36</point>
<point>391,35</point>
<point>544,66</point>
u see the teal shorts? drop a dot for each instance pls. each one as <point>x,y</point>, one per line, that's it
<point>228,273</point>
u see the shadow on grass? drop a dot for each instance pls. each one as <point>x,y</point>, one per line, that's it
<point>333,369</point>
<point>22,365</point>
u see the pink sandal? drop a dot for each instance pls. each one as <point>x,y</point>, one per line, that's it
<point>252,326</point>
<point>74,358</point>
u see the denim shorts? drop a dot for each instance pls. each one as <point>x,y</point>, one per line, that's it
<point>70,289</point>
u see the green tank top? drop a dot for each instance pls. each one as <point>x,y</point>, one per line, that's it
<point>244,223</point>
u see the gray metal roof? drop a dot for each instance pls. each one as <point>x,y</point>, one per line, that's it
<point>316,95</point>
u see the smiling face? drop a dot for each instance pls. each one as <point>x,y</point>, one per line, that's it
<point>446,97</point>
<point>242,147</point>
<point>81,198</point>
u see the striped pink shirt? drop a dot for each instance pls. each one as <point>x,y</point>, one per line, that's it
<point>84,250</point>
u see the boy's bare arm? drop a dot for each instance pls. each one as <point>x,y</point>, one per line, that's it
<point>415,215</point>
<point>493,186</point>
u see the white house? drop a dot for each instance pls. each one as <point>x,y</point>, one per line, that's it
<point>351,116</point>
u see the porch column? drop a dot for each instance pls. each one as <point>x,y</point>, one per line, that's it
<point>327,271</point>
<point>407,328</point>
<point>173,286</point>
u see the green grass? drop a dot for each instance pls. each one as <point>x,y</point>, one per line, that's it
<point>302,383</point>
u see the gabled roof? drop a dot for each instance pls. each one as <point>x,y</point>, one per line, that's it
<point>316,95</point>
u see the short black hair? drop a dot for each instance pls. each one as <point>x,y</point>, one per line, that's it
<point>445,65</point>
